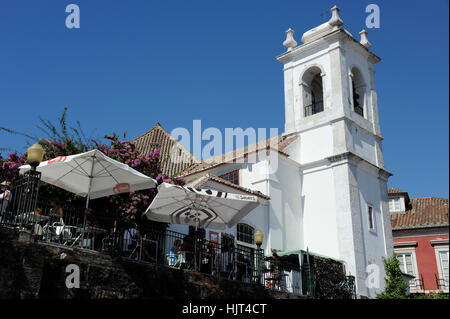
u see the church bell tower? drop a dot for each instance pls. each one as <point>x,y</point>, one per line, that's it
<point>331,105</point>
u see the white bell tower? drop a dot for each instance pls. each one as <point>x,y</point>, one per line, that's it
<point>331,105</point>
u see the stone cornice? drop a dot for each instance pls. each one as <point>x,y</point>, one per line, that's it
<point>350,156</point>
<point>405,244</point>
<point>439,242</point>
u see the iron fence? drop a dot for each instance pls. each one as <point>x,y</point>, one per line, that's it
<point>18,197</point>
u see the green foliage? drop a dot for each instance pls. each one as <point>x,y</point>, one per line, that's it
<point>133,204</point>
<point>65,134</point>
<point>329,278</point>
<point>61,133</point>
<point>439,295</point>
<point>395,285</point>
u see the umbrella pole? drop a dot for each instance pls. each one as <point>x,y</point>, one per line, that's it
<point>87,201</point>
<point>84,221</point>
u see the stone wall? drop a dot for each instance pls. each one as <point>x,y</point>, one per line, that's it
<point>36,270</point>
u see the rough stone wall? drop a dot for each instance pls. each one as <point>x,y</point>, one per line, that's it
<point>33,270</point>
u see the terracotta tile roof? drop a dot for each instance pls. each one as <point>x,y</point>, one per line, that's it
<point>174,156</point>
<point>393,190</point>
<point>278,143</point>
<point>425,212</point>
<point>197,183</point>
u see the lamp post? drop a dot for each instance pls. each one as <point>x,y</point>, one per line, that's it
<point>28,195</point>
<point>258,236</point>
<point>35,155</point>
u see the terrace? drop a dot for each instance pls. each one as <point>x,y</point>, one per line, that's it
<point>48,222</point>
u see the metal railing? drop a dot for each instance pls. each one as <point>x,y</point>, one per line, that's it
<point>313,108</point>
<point>442,281</point>
<point>359,110</point>
<point>416,283</point>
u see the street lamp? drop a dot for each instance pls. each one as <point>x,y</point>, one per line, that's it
<point>31,182</point>
<point>35,155</point>
<point>258,236</point>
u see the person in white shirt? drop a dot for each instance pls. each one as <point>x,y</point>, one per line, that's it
<point>5,196</point>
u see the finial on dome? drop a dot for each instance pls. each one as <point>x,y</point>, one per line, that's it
<point>335,19</point>
<point>364,40</point>
<point>290,43</point>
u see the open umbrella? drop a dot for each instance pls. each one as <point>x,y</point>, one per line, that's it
<point>91,174</point>
<point>204,208</point>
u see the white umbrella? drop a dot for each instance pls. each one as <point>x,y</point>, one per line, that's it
<point>199,207</point>
<point>91,174</point>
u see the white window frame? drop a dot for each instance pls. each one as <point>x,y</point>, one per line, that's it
<point>412,251</point>
<point>399,198</point>
<point>374,223</point>
<point>438,249</point>
<point>243,243</point>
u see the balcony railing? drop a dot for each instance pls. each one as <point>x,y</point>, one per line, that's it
<point>359,110</point>
<point>416,283</point>
<point>313,108</point>
<point>442,281</point>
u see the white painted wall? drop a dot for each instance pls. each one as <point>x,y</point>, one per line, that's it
<point>316,144</point>
<point>375,244</point>
<point>319,211</point>
<point>364,145</point>
<point>285,212</point>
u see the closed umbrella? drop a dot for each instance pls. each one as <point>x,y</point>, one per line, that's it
<point>92,175</point>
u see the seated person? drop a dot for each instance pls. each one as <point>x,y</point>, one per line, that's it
<point>188,248</point>
<point>91,220</point>
<point>248,264</point>
<point>56,212</point>
<point>55,225</point>
<point>130,236</point>
<point>240,271</point>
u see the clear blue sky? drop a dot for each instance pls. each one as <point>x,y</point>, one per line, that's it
<point>135,63</point>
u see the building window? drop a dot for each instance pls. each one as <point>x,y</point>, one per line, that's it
<point>232,177</point>
<point>406,263</point>
<point>407,267</point>
<point>312,91</point>
<point>371,218</point>
<point>245,233</point>
<point>443,265</point>
<point>394,204</point>
<point>358,90</point>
